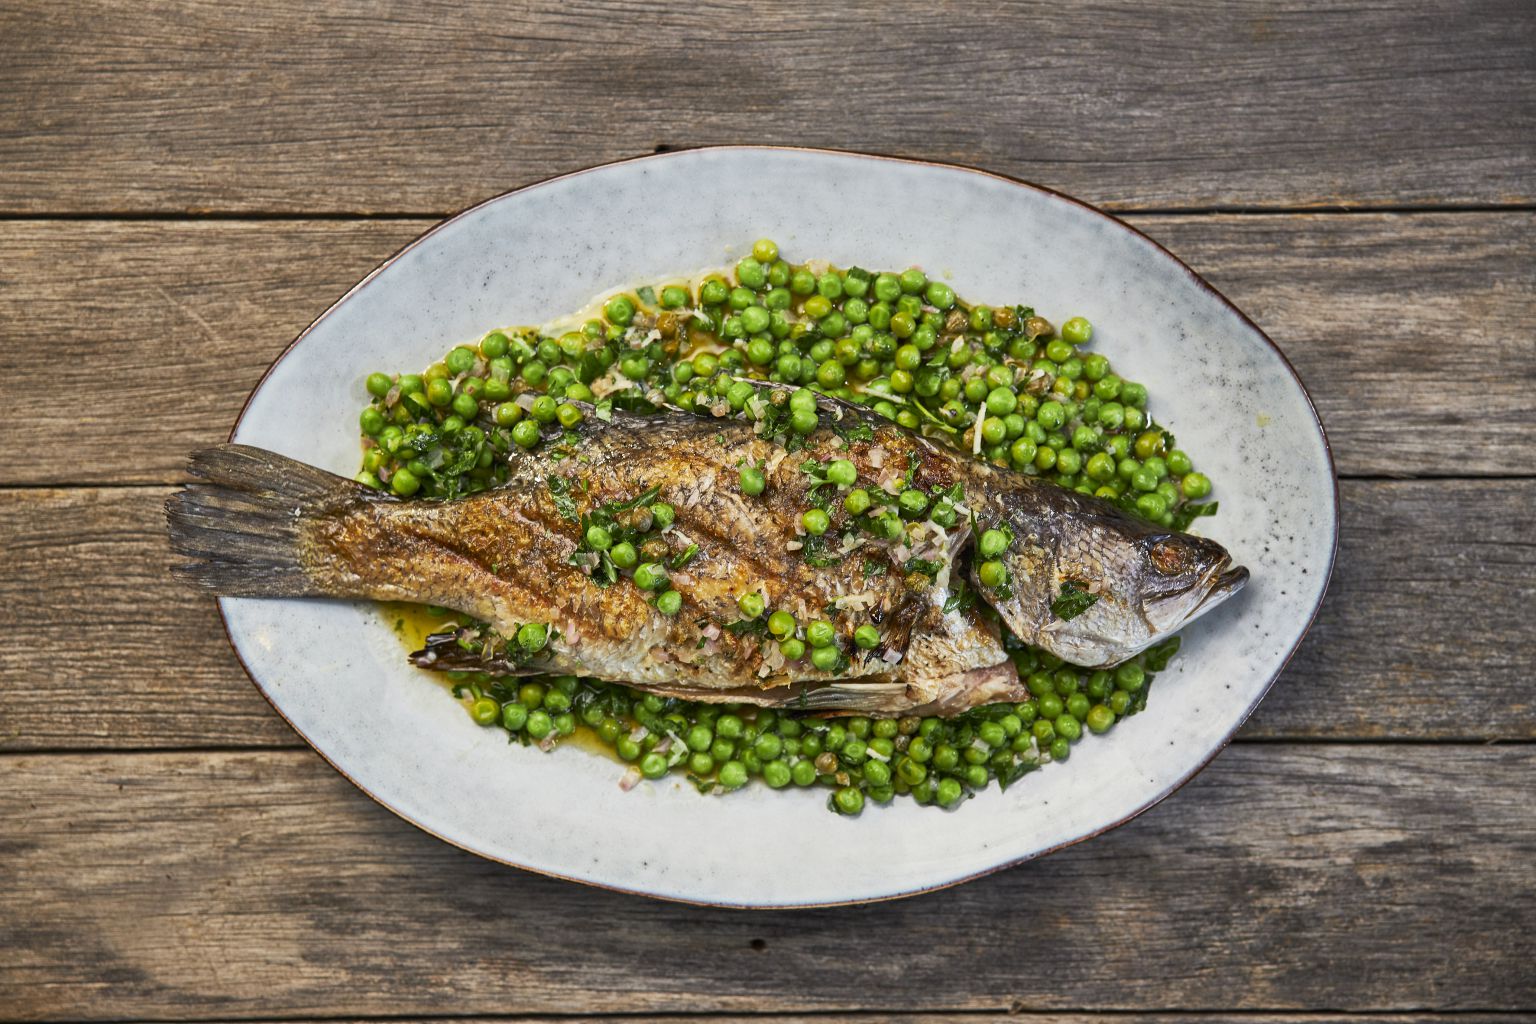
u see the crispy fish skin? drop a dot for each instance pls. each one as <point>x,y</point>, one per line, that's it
<point>273,527</point>
<point>505,556</point>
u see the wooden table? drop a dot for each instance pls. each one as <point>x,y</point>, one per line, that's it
<point>185,184</point>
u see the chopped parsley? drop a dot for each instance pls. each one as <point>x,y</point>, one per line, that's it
<point>560,491</point>
<point>1073,601</point>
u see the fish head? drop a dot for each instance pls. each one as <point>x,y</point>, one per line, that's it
<point>1100,588</point>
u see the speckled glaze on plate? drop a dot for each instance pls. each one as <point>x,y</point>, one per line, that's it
<point>337,672</point>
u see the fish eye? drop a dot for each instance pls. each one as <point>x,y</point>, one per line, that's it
<point>1167,557</point>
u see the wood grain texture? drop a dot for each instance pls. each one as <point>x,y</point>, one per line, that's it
<point>1008,1017</point>
<point>1412,331</point>
<point>174,886</point>
<point>1429,636</point>
<point>290,106</point>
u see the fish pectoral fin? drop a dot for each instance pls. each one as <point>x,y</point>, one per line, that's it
<point>443,652</point>
<point>851,696</point>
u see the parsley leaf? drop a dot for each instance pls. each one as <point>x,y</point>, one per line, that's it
<point>1189,513</point>
<point>560,491</point>
<point>1072,602</point>
<point>1157,657</point>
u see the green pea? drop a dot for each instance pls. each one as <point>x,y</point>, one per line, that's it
<point>992,574</point>
<point>939,295</point>
<point>713,292</point>
<point>760,351</point>
<point>751,273</point>
<point>815,521</point>
<point>867,637</point>
<point>1050,705</point>
<point>540,724</point>
<point>842,472</point>
<point>912,502</point>
<point>1022,453</point>
<point>826,658</point>
<point>404,483</point>
<point>532,637</point>
<point>624,555</point>
<point>543,409</point>
<point>485,711</point>
<point>750,604</point>
<point>619,310</point>
<point>848,800</point>
<point>439,392</point>
<point>1152,505</point>
<point>781,624</point>
<point>1099,719</point>
<point>777,773</point>
<point>733,775</point>
<point>1078,705</point>
<point>1001,401</point>
<point>754,320</point>
<point>1100,467</point>
<point>1130,676</point>
<point>803,422</point>
<point>768,746</point>
<point>653,765</point>
<point>993,543</point>
<point>857,501</point>
<point>663,515</point>
<point>651,576</point>
<point>913,281</point>
<point>948,793</point>
<point>753,482</point>
<point>378,384</point>
<point>1195,485</point>
<point>820,633</point>
<point>514,716</point>
<point>460,360</point>
<point>1069,728</point>
<point>1076,331</point>
<point>792,649</point>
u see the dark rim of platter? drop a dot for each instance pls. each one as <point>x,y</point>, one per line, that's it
<point>687,153</point>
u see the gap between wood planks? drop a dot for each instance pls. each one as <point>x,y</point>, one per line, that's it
<point>1012,1016</point>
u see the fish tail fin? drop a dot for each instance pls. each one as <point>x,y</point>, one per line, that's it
<point>240,528</point>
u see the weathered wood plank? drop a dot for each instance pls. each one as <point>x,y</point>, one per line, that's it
<point>1011,1017</point>
<point>1431,636</point>
<point>1284,878</point>
<point>190,105</point>
<point>1412,330</point>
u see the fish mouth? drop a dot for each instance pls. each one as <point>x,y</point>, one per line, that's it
<point>1178,610</point>
<point>1228,580</point>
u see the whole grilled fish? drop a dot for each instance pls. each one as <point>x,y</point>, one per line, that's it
<point>266,526</point>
